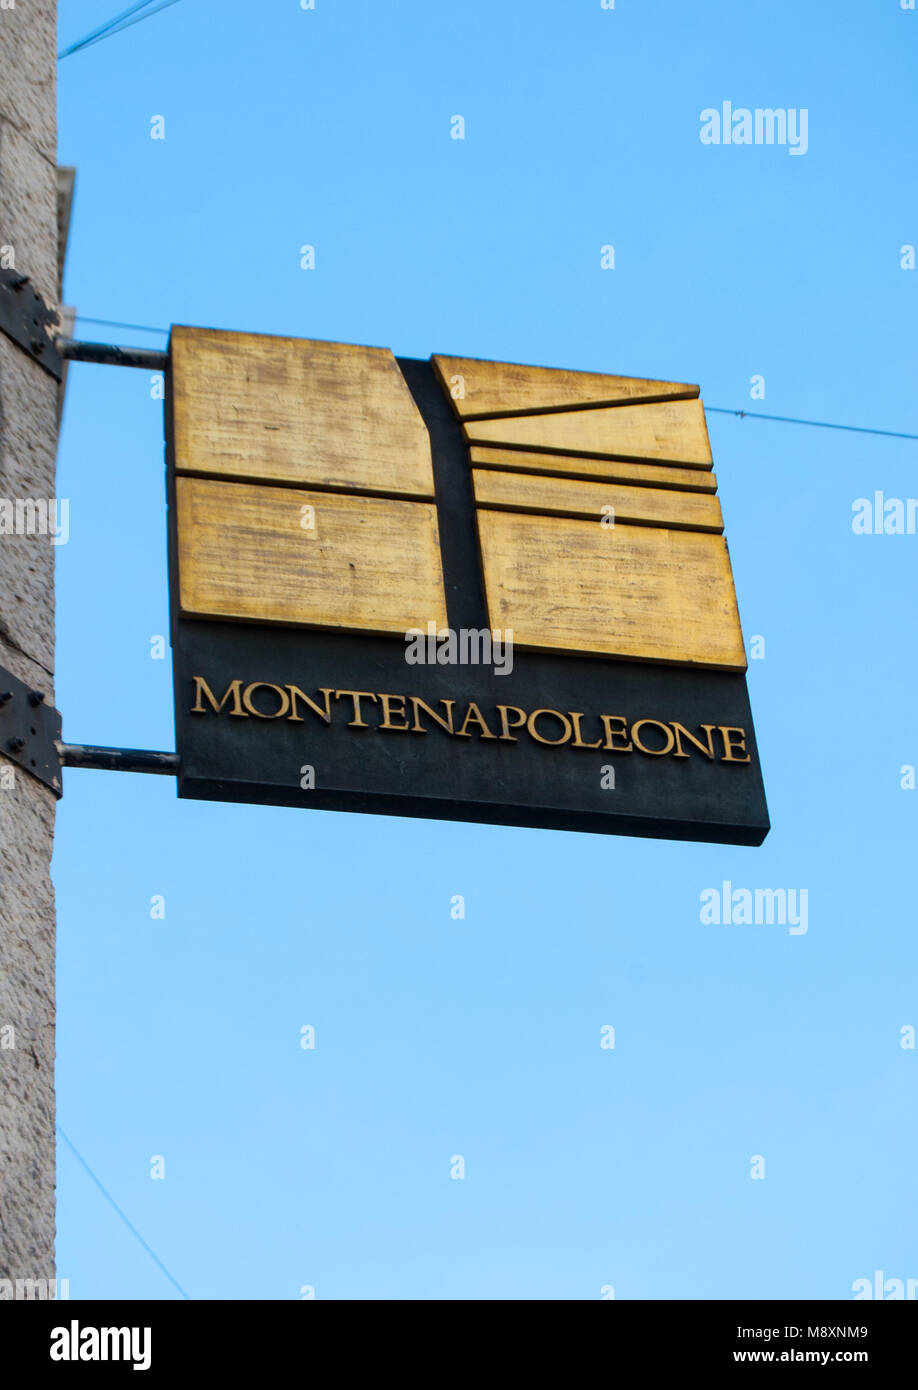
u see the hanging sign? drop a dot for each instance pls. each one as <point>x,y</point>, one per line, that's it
<point>459,589</point>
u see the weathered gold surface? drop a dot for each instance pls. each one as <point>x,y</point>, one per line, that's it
<point>674,432</point>
<point>291,410</point>
<point>639,474</point>
<point>642,506</point>
<point>366,564</point>
<point>629,591</point>
<point>476,387</point>
<point>304,495</point>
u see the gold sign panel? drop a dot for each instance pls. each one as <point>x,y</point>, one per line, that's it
<point>283,555</point>
<point>290,410</point>
<point>591,501</point>
<point>672,432</point>
<point>599,529</point>
<point>479,388</point>
<point>304,489</point>
<point>294,462</point>
<point>615,470</point>
<point>642,592</point>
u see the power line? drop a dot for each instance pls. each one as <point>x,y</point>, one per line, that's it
<point>116,25</point>
<point>711,409</point>
<point>131,1227</point>
<point>112,323</point>
<point>816,424</point>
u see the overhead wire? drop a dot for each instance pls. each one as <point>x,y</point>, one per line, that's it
<point>815,424</point>
<point>109,1198</point>
<point>116,25</point>
<point>710,409</point>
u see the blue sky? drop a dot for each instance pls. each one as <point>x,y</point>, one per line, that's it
<point>179,1037</point>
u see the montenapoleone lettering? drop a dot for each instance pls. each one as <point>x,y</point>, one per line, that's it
<point>409,715</point>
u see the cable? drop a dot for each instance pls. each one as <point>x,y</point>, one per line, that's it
<point>115,25</point>
<point>816,424</point>
<point>132,1228</point>
<point>102,29</point>
<point>111,323</point>
<point>711,409</point>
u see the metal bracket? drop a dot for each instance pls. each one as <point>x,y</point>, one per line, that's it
<point>109,355</point>
<point>26,318</point>
<point>118,759</point>
<point>29,730</point>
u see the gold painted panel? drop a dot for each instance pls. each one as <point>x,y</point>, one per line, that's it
<point>641,506</point>
<point>298,411</point>
<point>284,555</point>
<point>672,432</point>
<point>477,387</point>
<point>636,592</point>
